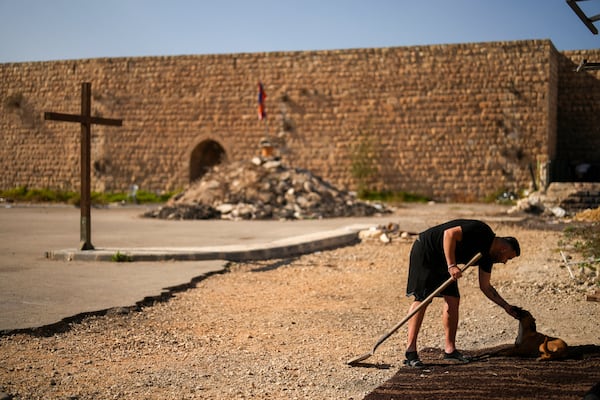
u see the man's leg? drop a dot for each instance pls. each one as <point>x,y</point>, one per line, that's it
<point>414,325</point>
<point>450,320</point>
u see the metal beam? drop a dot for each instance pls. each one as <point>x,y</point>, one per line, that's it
<point>589,22</point>
<point>584,65</point>
<point>82,119</point>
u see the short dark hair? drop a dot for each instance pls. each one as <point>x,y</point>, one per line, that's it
<point>514,243</point>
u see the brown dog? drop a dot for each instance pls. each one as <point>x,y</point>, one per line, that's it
<point>531,343</point>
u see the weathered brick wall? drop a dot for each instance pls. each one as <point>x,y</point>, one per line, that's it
<point>453,122</point>
<point>578,115</point>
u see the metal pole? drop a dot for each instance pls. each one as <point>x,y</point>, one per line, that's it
<point>85,202</point>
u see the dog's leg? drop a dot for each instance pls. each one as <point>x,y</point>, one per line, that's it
<point>508,352</point>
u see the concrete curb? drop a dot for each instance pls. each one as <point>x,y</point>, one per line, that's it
<point>283,248</point>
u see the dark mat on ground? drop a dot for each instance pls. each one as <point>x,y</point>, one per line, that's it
<point>488,377</point>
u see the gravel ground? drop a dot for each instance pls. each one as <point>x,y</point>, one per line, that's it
<point>285,328</point>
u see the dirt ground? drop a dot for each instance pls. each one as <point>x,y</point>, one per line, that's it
<point>285,329</point>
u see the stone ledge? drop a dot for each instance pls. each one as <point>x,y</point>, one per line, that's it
<point>283,248</point>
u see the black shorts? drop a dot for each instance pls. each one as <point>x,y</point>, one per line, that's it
<point>425,275</point>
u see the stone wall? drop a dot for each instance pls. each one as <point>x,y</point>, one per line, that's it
<point>452,122</point>
<point>578,119</point>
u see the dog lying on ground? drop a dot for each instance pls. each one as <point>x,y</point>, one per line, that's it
<point>531,343</point>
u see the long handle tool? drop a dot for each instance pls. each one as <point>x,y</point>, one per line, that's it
<point>413,312</point>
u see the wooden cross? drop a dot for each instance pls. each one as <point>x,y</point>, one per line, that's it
<point>86,120</point>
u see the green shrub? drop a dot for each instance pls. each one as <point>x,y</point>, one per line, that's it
<point>392,197</point>
<point>120,257</point>
<point>24,194</point>
<point>363,164</point>
<point>584,238</point>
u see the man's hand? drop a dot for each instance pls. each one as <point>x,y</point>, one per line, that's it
<point>455,272</point>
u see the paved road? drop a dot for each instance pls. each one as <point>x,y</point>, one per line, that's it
<point>37,291</point>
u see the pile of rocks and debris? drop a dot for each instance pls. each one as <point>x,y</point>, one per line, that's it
<point>263,189</point>
<point>386,233</point>
<point>560,199</point>
<point>538,203</point>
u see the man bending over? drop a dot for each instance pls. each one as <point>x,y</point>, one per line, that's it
<point>434,258</point>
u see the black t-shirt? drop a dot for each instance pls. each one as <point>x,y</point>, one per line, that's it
<point>477,237</point>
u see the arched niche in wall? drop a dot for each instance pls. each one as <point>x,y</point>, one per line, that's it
<point>205,155</point>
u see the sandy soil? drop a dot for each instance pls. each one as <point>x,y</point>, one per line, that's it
<point>285,328</point>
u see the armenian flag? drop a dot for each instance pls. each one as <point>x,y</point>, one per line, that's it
<point>262,113</point>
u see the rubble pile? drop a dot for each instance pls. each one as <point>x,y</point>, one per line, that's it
<point>386,233</point>
<point>561,199</point>
<point>263,189</point>
<point>539,204</point>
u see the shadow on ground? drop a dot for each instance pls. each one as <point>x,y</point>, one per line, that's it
<point>489,377</point>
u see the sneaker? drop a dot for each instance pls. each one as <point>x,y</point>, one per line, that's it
<point>457,356</point>
<point>416,363</point>
<point>412,359</point>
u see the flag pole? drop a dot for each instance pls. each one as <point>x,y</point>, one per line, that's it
<point>266,145</point>
<point>262,108</point>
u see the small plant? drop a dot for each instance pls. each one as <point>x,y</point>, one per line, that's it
<point>585,239</point>
<point>503,196</point>
<point>363,167</point>
<point>120,257</point>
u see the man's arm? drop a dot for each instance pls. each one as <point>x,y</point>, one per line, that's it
<point>451,236</point>
<point>491,293</point>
